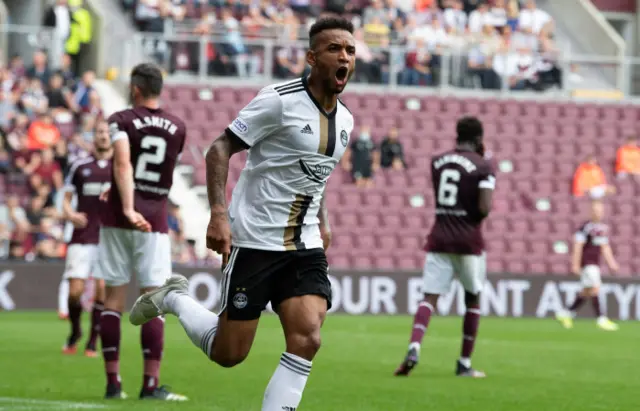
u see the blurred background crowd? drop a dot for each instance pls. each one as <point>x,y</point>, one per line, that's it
<point>47,120</point>
<point>48,111</point>
<point>486,42</point>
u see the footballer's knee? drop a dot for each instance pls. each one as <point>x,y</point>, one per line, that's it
<point>432,299</point>
<point>115,297</point>
<point>228,355</point>
<point>591,291</point>
<point>305,345</point>
<point>228,359</point>
<point>471,300</point>
<point>100,292</point>
<point>233,341</point>
<point>76,288</point>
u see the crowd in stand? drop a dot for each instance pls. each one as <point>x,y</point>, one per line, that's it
<point>47,118</point>
<point>483,43</point>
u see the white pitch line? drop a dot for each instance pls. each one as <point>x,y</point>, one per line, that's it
<point>50,403</point>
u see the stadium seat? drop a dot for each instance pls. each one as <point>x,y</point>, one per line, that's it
<point>545,141</point>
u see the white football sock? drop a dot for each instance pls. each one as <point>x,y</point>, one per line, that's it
<point>284,391</point>
<point>199,323</point>
<point>466,361</point>
<point>63,296</point>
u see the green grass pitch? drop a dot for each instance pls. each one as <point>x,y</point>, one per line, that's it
<point>531,365</point>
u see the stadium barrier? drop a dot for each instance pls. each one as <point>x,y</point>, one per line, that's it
<point>34,286</point>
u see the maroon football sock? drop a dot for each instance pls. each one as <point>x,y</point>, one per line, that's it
<point>152,341</point>
<point>98,307</point>
<point>596,305</point>
<point>470,331</point>
<point>421,322</point>
<point>110,339</point>
<point>75,311</point>
<point>577,303</point>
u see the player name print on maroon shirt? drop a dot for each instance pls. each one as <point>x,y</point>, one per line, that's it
<point>88,178</point>
<point>458,176</point>
<point>594,236</point>
<point>156,139</point>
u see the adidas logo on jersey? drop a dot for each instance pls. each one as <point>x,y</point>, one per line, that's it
<point>306,130</point>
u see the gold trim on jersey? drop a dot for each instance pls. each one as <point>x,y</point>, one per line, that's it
<point>327,144</point>
<point>324,133</point>
<point>293,232</point>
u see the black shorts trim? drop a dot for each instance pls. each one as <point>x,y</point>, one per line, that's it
<point>253,278</point>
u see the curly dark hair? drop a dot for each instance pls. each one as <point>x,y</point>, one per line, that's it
<point>328,23</point>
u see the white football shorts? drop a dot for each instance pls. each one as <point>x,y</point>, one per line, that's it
<point>82,262</point>
<point>440,269</point>
<point>590,276</point>
<point>123,252</point>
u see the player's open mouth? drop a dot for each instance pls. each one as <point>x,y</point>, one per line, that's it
<point>341,75</point>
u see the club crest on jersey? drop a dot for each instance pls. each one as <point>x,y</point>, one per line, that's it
<point>317,173</point>
<point>240,300</point>
<point>344,138</point>
<point>86,172</point>
<point>240,125</point>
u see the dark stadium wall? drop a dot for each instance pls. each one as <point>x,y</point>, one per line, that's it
<point>34,286</point>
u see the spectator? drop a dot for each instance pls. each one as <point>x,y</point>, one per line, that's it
<point>47,178</point>
<point>532,19</point>
<point>247,65</point>
<point>17,67</point>
<point>392,152</point>
<point>25,160</point>
<point>368,68</point>
<point>17,251</point>
<point>7,109</point>
<point>40,69</point>
<point>59,98</point>
<point>628,159</point>
<point>67,73</point>
<point>58,17</point>
<point>417,66</point>
<point>394,12</point>
<point>254,22</point>
<point>49,243</point>
<point>376,30</point>
<point>513,15</point>
<point>376,14</point>
<point>78,148</point>
<point>499,14</point>
<point>480,64</point>
<point>42,133</point>
<point>455,17</point>
<point>5,158</point>
<point>14,219</point>
<point>34,100</point>
<point>479,18</point>
<point>83,90</point>
<point>589,178</point>
<point>290,60</point>
<point>362,159</point>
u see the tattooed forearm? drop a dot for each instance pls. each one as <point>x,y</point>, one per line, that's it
<point>323,213</point>
<point>217,163</point>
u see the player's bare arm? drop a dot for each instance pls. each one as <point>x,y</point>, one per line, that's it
<point>576,257</point>
<point>325,227</point>
<point>485,201</point>
<point>217,163</point>
<point>123,174</point>
<point>607,253</point>
<point>79,220</point>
